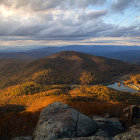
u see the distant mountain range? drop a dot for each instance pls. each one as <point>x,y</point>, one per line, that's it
<point>62,68</point>
<point>129,54</point>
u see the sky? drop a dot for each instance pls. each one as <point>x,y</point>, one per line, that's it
<point>33,23</point>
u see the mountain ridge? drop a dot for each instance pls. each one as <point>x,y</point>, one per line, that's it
<point>66,67</point>
<point>110,51</point>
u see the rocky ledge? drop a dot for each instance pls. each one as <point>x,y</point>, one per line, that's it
<point>60,122</point>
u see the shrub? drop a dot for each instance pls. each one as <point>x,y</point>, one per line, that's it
<point>59,92</point>
<point>101,93</point>
<point>28,88</point>
<point>44,77</point>
<point>58,87</point>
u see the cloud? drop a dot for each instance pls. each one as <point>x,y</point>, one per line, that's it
<point>92,15</point>
<point>137,4</point>
<point>121,5</point>
<point>40,5</point>
<point>23,44</point>
<point>137,17</point>
<point>34,21</point>
<point>69,24</point>
<point>131,31</point>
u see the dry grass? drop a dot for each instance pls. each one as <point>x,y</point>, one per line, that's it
<point>98,108</point>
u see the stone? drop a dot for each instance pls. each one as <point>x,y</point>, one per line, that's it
<point>134,134</point>
<point>130,116</point>
<point>87,138</point>
<point>22,138</point>
<point>98,118</point>
<point>108,127</point>
<point>107,115</point>
<point>58,120</point>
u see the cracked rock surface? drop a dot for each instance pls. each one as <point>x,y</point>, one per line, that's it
<point>133,134</point>
<point>88,138</point>
<point>58,120</point>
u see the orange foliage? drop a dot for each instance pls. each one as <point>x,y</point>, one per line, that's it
<point>90,108</point>
<point>23,123</point>
<point>17,124</point>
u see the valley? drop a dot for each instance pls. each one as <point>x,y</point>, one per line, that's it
<point>69,77</point>
<point>69,69</point>
<point>64,68</point>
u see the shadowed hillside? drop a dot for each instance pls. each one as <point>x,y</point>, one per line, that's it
<point>9,69</point>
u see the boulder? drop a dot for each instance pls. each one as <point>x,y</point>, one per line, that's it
<point>22,138</point>
<point>130,115</point>
<point>58,120</point>
<point>107,115</point>
<point>134,134</point>
<point>108,127</point>
<point>87,138</point>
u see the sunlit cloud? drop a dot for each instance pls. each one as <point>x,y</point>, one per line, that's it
<point>138,18</point>
<point>64,22</point>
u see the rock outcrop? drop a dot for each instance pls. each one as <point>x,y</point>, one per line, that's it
<point>133,134</point>
<point>58,120</point>
<point>130,116</point>
<point>22,138</point>
<point>87,138</point>
<point>108,127</point>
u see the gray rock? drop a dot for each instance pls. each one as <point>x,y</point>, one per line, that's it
<point>107,115</point>
<point>87,138</point>
<point>130,115</point>
<point>99,118</point>
<point>58,120</point>
<point>134,134</point>
<point>108,127</point>
<point>22,138</point>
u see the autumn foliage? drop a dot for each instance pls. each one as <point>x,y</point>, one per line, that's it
<point>19,112</point>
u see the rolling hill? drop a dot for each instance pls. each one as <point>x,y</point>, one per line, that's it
<point>65,68</point>
<point>9,69</point>
<point>10,66</point>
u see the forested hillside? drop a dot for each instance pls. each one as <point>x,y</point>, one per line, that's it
<point>63,68</point>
